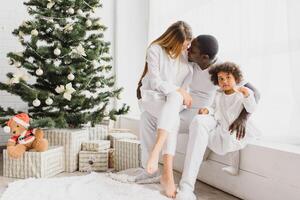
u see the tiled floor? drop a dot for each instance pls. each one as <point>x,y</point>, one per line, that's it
<point>203,191</point>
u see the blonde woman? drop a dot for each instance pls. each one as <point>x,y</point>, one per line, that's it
<point>162,93</point>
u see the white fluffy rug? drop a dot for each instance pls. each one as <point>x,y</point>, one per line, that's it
<point>94,186</point>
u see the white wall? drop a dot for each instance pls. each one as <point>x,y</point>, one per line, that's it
<point>12,14</point>
<point>130,45</point>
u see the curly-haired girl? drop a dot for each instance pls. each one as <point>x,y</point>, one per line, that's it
<point>228,103</point>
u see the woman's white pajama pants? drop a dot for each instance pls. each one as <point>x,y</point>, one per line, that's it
<point>163,115</point>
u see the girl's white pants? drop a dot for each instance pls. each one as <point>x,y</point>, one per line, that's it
<point>204,131</point>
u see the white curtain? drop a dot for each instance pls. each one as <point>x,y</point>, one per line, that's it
<point>262,36</point>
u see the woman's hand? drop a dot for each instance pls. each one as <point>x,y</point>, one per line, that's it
<point>187,99</point>
<point>203,111</point>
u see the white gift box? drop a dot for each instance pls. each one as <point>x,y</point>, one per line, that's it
<point>35,164</point>
<point>99,132</point>
<point>113,136</point>
<point>127,154</point>
<point>93,161</point>
<point>71,140</point>
<point>95,145</point>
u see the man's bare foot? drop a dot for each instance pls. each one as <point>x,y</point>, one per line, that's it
<point>152,164</point>
<point>169,186</point>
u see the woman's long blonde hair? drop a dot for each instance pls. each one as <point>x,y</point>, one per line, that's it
<point>171,41</point>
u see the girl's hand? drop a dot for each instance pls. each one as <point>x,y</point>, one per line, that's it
<point>187,99</point>
<point>244,91</point>
<point>203,111</point>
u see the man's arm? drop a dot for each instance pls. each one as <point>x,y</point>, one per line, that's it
<point>255,91</point>
<point>239,125</point>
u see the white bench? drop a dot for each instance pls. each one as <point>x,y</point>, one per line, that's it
<point>268,170</point>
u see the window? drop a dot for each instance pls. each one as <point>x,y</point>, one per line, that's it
<point>262,36</point>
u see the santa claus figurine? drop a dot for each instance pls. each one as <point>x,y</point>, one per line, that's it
<point>22,138</point>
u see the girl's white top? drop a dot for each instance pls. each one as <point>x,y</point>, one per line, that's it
<point>227,108</point>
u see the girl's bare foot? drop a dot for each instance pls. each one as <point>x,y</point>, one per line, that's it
<point>152,164</point>
<point>169,185</point>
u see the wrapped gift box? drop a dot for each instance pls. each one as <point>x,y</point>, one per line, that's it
<point>118,135</point>
<point>120,130</point>
<point>99,132</point>
<point>35,164</point>
<point>109,123</point>
<point>71,140</point>
<point>127,154</point>
<point>95,145</point>
<point>93,161</point>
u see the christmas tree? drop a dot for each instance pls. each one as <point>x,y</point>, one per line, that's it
<point>64,72</point>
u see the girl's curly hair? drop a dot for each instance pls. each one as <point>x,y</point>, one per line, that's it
<point>228,67</point>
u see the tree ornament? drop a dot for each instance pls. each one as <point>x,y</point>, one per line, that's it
<point>34,32</point>
<point>57,51</point>
<point>39,72</point>
<point>79,50</point>
<point>88,23</point>
<point>98,84</point>
<point>50,4</point>
<point>80,13</point>
<point>21,34</point>
<point>70,11</point>
<point>56,26</point>
<point>57,62</point>
<point>30,59</point>
<point>36,102</point>
<point>71,77</point>
<point>48,61</point>
<point>48,30</point>
<point>49,101</point>
<point>68,92</point>
<point>60,89</point>
<point>68,28</point>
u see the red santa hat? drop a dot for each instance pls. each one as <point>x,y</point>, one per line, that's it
<point>22,119</point>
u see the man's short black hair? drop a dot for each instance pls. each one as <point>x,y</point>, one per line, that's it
<point>208,44</point>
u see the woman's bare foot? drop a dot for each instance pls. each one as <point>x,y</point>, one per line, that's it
<point>152,164</point>
<point>169,185</point>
